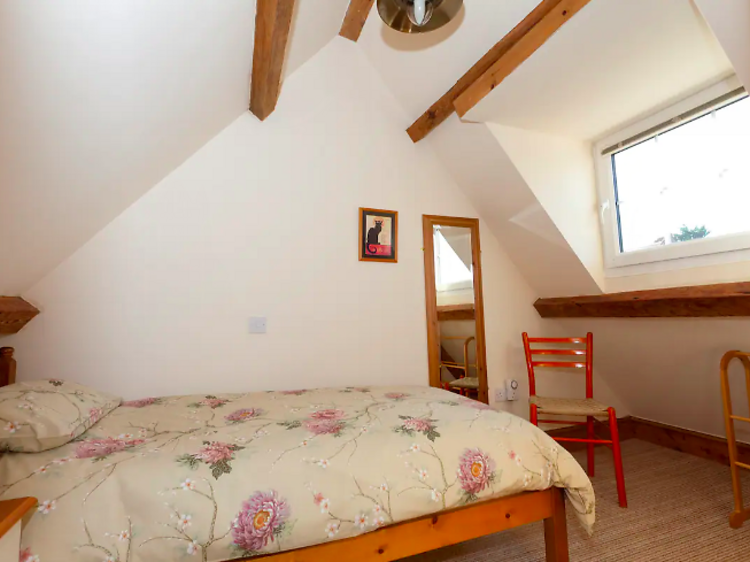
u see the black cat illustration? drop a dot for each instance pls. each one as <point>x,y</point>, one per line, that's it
<point>373,236</point>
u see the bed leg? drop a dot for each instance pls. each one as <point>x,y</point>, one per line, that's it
<point>556,531</point>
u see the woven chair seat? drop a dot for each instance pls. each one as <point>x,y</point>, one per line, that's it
<point>466,382</point>
<point>569,406</point>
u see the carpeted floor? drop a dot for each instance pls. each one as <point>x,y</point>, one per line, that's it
<point>679,508</point>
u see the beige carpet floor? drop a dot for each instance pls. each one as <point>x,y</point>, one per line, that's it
<point>679,507</point>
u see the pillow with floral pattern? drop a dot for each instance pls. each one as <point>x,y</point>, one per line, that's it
<point>44,414</point>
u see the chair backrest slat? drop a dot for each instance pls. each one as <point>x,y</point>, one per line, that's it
<point>557,340</point>
<point>587,352</point>
<point>558,364</point>
<point>558,351</point>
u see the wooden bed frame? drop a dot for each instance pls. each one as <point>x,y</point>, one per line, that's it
<point>447,528</point>
<point>410,537</point>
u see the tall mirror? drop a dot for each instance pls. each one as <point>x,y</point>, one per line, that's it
<point>455,310</point>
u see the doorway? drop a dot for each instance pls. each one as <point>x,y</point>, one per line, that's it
<point>455,306</point>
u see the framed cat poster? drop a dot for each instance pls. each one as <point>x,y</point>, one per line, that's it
<point>378,235</point>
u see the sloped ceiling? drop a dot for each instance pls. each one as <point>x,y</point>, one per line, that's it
<point>611,63</point>
<point>99,100</point>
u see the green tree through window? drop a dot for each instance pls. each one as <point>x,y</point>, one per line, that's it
<point>685,234</point>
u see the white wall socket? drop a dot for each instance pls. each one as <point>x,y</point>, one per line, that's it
<point>500,394</point>
<point>257,325</point>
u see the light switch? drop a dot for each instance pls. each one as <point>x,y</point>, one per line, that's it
<point>257,325</point>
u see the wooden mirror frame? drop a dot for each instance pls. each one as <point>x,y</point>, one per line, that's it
<point>433,327</point>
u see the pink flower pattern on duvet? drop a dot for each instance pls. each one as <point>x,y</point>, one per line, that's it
<point>215,454</point>
<point>101,448</point>
<point>476,470</point>
<point>262,519</point>
<point>213,478</point>
<point>26,556</point>
<point>141,403</point>
<point>244,414</point>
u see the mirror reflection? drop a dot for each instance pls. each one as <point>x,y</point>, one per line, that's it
<point>454,290</point>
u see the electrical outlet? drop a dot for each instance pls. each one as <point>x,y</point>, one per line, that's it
<point>257,325</point>
<point>500,395</point>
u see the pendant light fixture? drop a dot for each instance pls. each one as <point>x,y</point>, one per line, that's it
<point>418,16</point>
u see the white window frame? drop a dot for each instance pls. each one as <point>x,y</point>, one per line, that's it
<point>693,253</point>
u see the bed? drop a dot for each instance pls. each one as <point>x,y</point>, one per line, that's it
<point>329,474</point>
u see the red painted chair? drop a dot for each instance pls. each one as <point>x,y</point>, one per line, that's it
<point>587,407</point>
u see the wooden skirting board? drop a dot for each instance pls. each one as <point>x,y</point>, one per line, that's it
<point>726,299</point>
<point>676,438</point>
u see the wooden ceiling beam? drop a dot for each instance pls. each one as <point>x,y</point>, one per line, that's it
<point>517,54</point>
<point>443,108</point>
<point>273,22</point>
<point>355,19</point>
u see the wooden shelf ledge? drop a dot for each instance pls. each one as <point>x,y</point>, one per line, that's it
<point>456,312</point>
<point>703,301</point>
<point>15,313</point>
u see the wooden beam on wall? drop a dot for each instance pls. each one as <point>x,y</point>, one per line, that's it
<point>355,19</point>
<point>727,299</point>
<point>517,54</point>
<point>443,108</point>
<point>15,313</point>
<point>273,21</point>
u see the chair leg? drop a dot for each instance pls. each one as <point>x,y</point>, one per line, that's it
<point>591,435</point>
<point>619,474</point>
<point>534,417</point>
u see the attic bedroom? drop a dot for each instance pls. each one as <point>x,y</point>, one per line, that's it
<point>374,280</point>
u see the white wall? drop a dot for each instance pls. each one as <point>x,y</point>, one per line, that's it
<point>560,173</point>
<point>485,172</point>
<point>730,22</point>
<point>262,221</point>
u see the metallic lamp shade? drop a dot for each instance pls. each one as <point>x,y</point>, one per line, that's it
<point>394,14</point>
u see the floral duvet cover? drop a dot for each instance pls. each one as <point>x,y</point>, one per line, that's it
<point>214,478</point>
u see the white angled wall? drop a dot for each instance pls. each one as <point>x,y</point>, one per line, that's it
<point>262,221</point>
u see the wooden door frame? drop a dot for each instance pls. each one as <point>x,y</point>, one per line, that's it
<point>433,331</point>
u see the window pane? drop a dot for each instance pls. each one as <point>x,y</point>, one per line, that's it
<point>691,182</point>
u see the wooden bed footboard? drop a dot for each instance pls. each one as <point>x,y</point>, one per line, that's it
<point>445,529</point>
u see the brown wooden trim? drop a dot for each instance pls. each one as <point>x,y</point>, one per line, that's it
<point>672,437</point>
<point>356,16</point>
<point>687,441</point>
<point>361,234</point>
<point>517,54</point>
<point>447,528</point>
<point>15,313</point>
<point>450,312</point>
<point>7,366</point>
<point>12,511</point>
<point>443,108</point>
<point>726,299</point>
<point>273,22</point>
<point>433,325</point>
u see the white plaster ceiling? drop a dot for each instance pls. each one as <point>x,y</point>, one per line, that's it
<point>612,62</point>
<point>100,99</point>
<point>418,69</point>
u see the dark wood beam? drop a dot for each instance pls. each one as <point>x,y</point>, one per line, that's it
<point>517,54</point>
<point>273,21</point>
<point>443,108</point>
<point>15,313</point>
<point>727,299</point>
<point>355,19</point>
